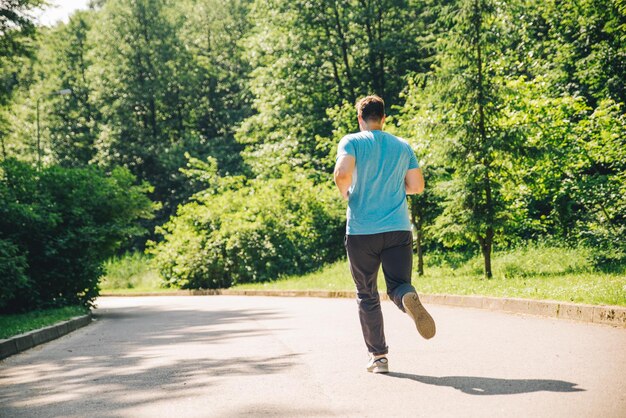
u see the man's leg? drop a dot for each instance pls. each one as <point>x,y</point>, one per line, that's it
<point>397,259</point>
<point>364,258</point>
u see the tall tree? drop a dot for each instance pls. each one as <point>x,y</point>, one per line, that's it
<point>71,121</point>
<point>462,100</point>
<point>211,31</point>
<point>311,58</point>
<point>17,30</point>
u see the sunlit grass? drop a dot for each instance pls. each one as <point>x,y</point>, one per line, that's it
<point>533,273</point>
<point>19,323</point>
<point>130,273</point>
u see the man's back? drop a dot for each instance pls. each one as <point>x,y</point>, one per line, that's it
<point>377,200</point>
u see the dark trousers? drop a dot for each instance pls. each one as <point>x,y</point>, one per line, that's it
<point>394,250</point>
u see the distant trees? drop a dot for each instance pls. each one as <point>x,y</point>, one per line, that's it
<point>16,33</point>
<point>312,58</point>
<point>149,82</point>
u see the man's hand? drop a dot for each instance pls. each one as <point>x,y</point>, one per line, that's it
<point>414,181</point>
<point>343,173</point>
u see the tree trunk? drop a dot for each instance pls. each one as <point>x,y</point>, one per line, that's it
<point>371,49</point>
<point>344,51</point>
<point>381,54</point>
<point>486,245</point>
<point>418,247</point>
<point>332,59</point>
<point>418,224</point>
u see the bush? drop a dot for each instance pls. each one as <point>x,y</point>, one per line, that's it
<point>64,223</point>
<point>251,233</point>
<point>13,279</point>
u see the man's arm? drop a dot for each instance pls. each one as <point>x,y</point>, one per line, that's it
<point>414,181</point>
<point>343,173</point>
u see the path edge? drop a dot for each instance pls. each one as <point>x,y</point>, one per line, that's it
<point>597,314</point>
<point>28,340</point>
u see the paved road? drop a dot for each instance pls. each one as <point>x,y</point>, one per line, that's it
<point>229,356</point>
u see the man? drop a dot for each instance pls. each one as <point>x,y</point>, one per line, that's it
<point>374,172</point>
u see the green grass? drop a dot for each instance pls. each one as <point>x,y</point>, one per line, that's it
<point>131,273</point>
<point>533,273</point>
<point>19,323</point>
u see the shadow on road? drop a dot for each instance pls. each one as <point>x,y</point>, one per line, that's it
<point>473,385</point>
<point>133,357</point>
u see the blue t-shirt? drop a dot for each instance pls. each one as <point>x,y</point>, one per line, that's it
<point>377,201</point>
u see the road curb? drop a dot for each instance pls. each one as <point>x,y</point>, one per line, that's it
<point>28,340</point>
<point>608,315</point>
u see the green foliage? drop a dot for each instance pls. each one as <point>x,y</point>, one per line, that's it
<point>130,271</point>
<point>13,278</point>
<point>150,80</point>
<point>251,233</point>
<point>17,31</point>
<point>309,60</point>
<point>58,225</point>
<point>550,144</point>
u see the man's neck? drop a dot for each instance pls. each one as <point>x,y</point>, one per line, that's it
<point>372,127</point>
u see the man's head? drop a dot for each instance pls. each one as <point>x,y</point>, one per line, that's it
<point>371,112</point>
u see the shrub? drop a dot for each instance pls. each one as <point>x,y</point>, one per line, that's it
<point>13,279</point>
<point>251,233</point>
<point>64,224</point>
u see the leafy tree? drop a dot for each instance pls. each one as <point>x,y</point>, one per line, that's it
<point>17,31</point>
<point>569,101</point>
<point>167,85</point>
<point>211,31</point>
<point>463,101</point>
<point>142,96</point>
<point>71,121</point>
<point>311,57</point>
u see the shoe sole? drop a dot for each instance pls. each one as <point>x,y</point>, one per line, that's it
<point>423,321</point>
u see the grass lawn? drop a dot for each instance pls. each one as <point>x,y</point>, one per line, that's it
<point>534,273</point>
<point>19,323</point>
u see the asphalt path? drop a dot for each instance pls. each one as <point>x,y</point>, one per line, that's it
<point>232,356</point>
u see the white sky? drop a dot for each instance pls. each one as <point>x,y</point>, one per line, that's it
<point>59,10</point>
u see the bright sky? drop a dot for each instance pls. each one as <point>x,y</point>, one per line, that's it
<point>59,10</point>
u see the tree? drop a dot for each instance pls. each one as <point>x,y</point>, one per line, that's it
<point>312,58</point>
<point>17,31</point>
<point>462,103</point>
<point>167,87</point>
<point>64,61</point>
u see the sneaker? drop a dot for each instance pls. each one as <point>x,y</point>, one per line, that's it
<point>378,364</point>
<point>423,321</point>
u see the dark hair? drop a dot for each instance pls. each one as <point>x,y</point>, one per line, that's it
<point>371,108</point>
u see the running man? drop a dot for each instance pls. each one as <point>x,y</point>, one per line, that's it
<point>374,172</point>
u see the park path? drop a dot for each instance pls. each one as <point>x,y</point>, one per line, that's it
<point>231,356</point>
